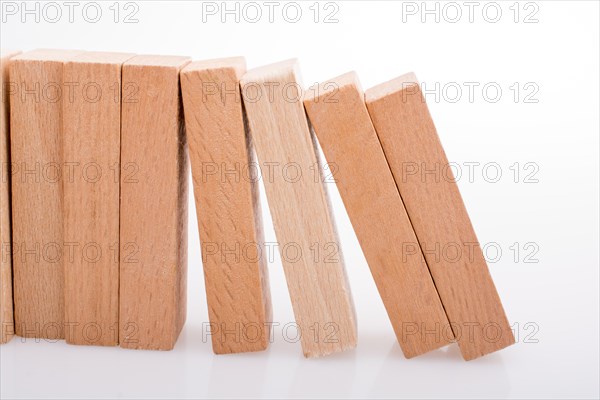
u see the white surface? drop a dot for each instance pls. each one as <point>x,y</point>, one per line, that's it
<point>558,295</point>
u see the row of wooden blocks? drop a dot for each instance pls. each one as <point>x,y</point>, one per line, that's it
<point>97,148</point>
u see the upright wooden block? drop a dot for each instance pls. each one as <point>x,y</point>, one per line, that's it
<point>154,198</point>
<point>438,215</point>
<point>92,129</point>
<point>339,117</point>
<point>227,206</point>
<point>306,234</point>
<point>37,193</point>
<point>7,322</point>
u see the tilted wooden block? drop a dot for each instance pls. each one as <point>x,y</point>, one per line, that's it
<point>37,194</point>
<point>227,206</point>
<point>339,117</point>
<point>7,322</point>
<point>304,225</point>
<point>154,199</point>
<point>91,145</point>
<point>439,217</point>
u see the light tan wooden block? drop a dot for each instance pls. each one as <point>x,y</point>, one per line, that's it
<point>92,128</point>
<point>7,322</point>
<point>439,217</point>
<point>305,229</point>
<point>37,194</point>
<point>339,117</point>
<point>227,206</point>
<point>154,199</point>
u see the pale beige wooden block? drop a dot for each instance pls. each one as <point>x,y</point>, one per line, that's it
<point>91,144</point>
<point>339,117</point>
<point>227,206</point>
<point>305,229</point>
<point>439,217</point>
<point>7,322</point>
<point>37,193</point>
<point>154,199</point>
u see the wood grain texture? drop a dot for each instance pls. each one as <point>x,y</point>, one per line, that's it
<point>154,199</point>
<point>339,117</point>
<point>227,206</point>
<point>439,217</point>
<point>92,128</point>
<point>305,229</point>
<point>7,322</point>
<point>37,193</point>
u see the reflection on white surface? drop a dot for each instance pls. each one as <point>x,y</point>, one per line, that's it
<point>376,369</point>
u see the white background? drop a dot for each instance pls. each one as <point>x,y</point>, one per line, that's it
<point>552,303</point>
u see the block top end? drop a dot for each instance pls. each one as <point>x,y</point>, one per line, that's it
<point>149,60</point>
<point>6,54</point>
<point>101,57</point>
<point>395,85</point>
<point>273,72</point>
<point>330,86</point>
<point>52,55</point>
<point>236,63</point>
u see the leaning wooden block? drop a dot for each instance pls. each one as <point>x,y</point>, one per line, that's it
<point>339,117</point>
<point>91,147</point>
<point>304,225</point>
<point>227,206</point>
<point>154,198</point>
<point>439,217</point>
<point>37,165</point>
<point>7,322</point>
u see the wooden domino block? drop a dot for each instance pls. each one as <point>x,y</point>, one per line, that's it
<point>154,198</point>
<point>304,225</point>
<point>7,322</point>
<point>37,193</point>
<point>91,147</point>
<point>227,206</point>
<point>439,217</point>
<point>339,117</point>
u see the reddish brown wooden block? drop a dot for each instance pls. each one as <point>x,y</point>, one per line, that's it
<point>338,114</point>
<point>439,217</point>
<point>7,322</point>
<point>227,206</point>
<point>154,198</point>
<point>91,144</point>
<point>37,191</point>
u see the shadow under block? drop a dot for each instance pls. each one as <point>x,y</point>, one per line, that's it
<point>339,117</point>
<point>227,206</point>
<point>439,217</point>
<point>92,129</point>
<point>37,193</point>
<point>7,322</point>
<point>304,225</point>
<point>154,199</point>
